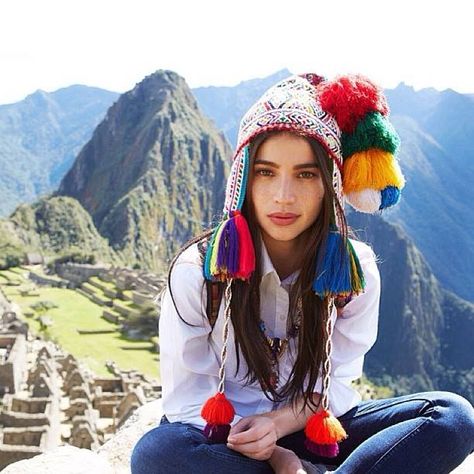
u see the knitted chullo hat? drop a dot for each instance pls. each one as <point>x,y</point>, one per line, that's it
<point>348,117</point>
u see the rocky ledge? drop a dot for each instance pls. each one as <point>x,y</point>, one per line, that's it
<point>114,456</point>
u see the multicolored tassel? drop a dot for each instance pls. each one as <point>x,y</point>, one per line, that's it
<point>323,431</point>
<point>372,178</point>
<point>231,253</point>
<point>218,413</point>
<point>339,272</point>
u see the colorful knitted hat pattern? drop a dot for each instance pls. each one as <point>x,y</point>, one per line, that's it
<point>348,116</point>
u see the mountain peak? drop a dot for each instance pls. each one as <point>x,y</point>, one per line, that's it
<point>404,87</point>
<point>158,88</point>
<point>38,97</point>
<point>147,160</point>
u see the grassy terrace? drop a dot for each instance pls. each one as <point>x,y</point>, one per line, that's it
<point>102,283</point>
<point>96,291</point>
<point>36,269</point>
<point>74,312</point>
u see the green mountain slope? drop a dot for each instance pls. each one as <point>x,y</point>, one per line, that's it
<point>53,226</point>
<point>425,331</point>
<point>153,173</point>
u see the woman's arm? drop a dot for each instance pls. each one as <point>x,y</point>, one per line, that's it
<point>289,420</point>
<point>189,365</point>
<point>256,436</point>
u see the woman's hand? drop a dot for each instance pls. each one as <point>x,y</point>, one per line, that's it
<point>254,437</point>
<point>284,461</point>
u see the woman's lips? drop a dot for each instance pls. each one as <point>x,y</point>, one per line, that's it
<point>281,219</point>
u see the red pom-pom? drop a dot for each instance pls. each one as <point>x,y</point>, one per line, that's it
<point>350,98</point>
<point>218,410</point>
<point>324,428</point>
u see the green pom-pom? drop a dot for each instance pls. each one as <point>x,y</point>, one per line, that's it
<point>375,131</point>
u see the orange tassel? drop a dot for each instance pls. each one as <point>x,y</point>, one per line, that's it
<point>218,410</point>
<point>324,428</point>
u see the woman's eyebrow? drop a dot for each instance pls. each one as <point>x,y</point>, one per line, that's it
<point>296,167</point>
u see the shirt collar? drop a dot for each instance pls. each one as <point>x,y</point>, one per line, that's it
<point>268,268</point>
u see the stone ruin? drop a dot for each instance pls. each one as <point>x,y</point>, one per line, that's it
<point>49,399</point>
<point>29,415</point>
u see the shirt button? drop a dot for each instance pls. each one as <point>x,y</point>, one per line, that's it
<point>282,318</point>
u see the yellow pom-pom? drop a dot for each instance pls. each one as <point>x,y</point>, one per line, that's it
<point>371,169</point>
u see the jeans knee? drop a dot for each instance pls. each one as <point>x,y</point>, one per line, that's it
<point>152,452</point>
<point>142,456</point>
<point>459,420</point>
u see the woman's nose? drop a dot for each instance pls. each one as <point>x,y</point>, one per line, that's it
<point>285,193</point>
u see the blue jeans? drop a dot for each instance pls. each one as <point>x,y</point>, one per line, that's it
<point>428,432</point>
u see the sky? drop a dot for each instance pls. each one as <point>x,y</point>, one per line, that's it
<point>50,44</point>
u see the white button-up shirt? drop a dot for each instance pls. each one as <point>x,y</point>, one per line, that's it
<point>190,356</point>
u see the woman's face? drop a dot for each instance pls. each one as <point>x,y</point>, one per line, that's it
<point>286,187</point>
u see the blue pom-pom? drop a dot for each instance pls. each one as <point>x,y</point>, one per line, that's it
<point>338,272</point>
<point>390,196</point>
<point>333,273</point>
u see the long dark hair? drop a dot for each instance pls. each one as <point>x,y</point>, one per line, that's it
<point>245,303</point>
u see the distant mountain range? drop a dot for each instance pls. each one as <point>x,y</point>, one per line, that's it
<point>227,105</point>
<point>153,174</point>
<point>41,136</point>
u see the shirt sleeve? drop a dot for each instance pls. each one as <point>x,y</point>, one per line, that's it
<point>189,365</point>
<point>354,333</point>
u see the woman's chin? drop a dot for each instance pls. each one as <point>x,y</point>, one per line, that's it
<point>281,235</point>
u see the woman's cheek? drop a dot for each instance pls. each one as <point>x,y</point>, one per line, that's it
<point>262,190</point>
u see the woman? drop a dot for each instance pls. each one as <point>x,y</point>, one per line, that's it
<point>266,387</point>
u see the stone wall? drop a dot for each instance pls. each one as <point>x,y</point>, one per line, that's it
<point>50,398</point>
<point>47,281</point>
<point>78,273</point>
<point>12,363</point>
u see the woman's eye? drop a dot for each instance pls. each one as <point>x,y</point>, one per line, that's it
<point>264,172</point>
<point>307,174</point>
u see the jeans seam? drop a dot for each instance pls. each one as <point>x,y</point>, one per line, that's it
<point>378,408</point>
<point>241,459</point>
<point>390,452</point>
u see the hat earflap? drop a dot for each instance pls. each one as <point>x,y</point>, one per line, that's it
<point>372,179</point>
<point>231,253</point>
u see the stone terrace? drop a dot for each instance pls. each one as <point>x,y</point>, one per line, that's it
<point>49,399</point>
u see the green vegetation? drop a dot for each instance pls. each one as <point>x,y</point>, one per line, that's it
<point>378,391</point>
<point>57,227</point>
<point>10,278</point>
<point>103,284</point>
<point>42,306</point>
<point>74,311</point>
